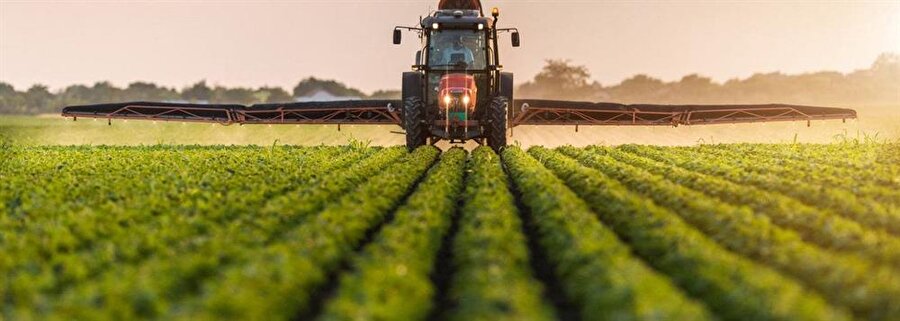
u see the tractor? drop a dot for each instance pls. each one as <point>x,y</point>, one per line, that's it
<point>457,90</point>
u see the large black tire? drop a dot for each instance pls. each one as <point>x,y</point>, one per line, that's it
<point>412,87</point>
<point>414,122</point>
<point>496,128</point>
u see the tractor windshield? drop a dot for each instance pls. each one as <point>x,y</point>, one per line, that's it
<point>457,50</point>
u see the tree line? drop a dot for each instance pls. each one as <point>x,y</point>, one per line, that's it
<point>877,85</point>
<point>39,99</point>
<point>559,79</point>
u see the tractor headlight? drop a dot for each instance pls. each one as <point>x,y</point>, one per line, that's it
<point>447,100</point>
<point>466,100</point>
<point>480,26</point>
<point>435,26</point>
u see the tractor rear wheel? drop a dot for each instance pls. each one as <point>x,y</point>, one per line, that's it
<point>496,128</point>
<point>414,122</point>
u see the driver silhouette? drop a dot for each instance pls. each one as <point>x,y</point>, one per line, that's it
<point>458,52</point>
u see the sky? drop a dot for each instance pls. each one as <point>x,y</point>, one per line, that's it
<point>278,42</point>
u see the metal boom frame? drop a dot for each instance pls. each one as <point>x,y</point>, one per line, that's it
<point>524,112</point>
<point>548,112</point>
<point>341,112</point>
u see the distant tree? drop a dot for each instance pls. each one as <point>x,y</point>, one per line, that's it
<point>760,87</point>
<point>561,80</point>
<point>638,89</point>
<point>11,101</point>
<point>6,89</point>
<point>144,91</point>
<point>642,82</point>
<point>883,84</point>
<point>694,89</point>
<point>198,92</point>
<point>563,75</point>
<point>223,95</point>
<point>39,99</point>
<point>386,94</point>
<point>104,92</point>
<point>310,85</point>
<point>273,95</point>
<point>887,62</point>
<point>75,95</point>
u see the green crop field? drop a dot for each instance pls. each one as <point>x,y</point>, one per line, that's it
<point>355,232</point>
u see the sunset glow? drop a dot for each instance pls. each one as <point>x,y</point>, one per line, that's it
<point>244,43</point>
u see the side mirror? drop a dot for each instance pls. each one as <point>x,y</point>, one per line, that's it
<point>398,36</point>
<point>419,57</point>
<point>515,39</point>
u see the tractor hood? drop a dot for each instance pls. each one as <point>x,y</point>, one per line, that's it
<point>458,90</point>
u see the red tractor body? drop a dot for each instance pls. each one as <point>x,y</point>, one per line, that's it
<point>458,96</point>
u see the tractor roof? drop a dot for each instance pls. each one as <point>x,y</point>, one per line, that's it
<point>460,4</point>
<point>456,19</point>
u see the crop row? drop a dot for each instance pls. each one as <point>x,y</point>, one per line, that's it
<point>865,288</point>
<point>731,286</point>
<point>870,214</point>
<point>869,184</point>
<point>53,231</point>
<point>855,157</point>
<point>114,241</point>
<point>492,279</point>
<point>87,192</point>
<point>597,271</point>
<point>183,236</point>
<point>814,225</point>
<point>695,262</point>
<point>103,176</point>
<point>280,280</point>
<point>390,279</point>
<point>199,254</point>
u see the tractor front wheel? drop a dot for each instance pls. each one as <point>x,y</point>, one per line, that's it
<point>496,128</point>
<point>414,122</point>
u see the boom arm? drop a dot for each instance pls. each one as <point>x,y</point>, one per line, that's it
<point>330,112</point>
<point>523,112</point>
<point>556,112</point>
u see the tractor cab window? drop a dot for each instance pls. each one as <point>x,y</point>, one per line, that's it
<point>457,49</point>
